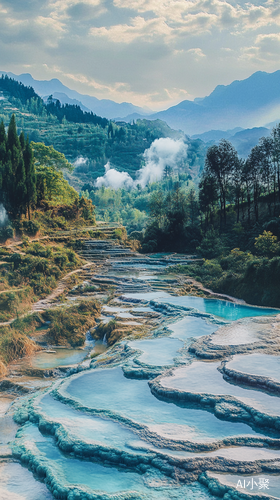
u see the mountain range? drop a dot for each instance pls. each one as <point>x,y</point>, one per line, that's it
<point>242,139</point>
<point>101,107</point>
<point>250,103</point>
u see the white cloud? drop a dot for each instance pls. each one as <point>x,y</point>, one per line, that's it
<point>266,48</point>
<point>114,179</point>
<point>149,52</point>
<point>138,27</point>
<point>162,152</point>
<point>197,53</point>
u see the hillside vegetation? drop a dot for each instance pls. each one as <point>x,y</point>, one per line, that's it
<point>37,202</point>
<point>80,134</point>
<point>236,226</point>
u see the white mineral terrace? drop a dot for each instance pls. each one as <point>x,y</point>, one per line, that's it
<point>145,418</point>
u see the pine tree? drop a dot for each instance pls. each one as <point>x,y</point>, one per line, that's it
<point>30,177</point>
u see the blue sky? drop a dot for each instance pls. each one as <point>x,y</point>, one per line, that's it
<point>149,52</point>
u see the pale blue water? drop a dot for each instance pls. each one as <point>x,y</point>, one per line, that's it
<point>88,428</point>
<point>252,484</point>
<point>105,432</point>
<point>221,308</point>
<point>62,357</point>
<point>108,389</point>
<point>191,327</point>
<point>95,477</point>
<point>18,483</point>
<point>203,377</point>
<point>159,352</point>
<point>264,365</point>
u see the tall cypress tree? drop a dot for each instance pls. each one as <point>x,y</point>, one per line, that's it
<point>15,172</point>
<point>3,154</point>
<point>22,140</point>
<point>3,142</point>
<point>30,177</point>
<point>12,139</point>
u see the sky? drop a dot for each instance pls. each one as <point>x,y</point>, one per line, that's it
<point>152,53</point>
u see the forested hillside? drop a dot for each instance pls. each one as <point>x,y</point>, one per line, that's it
<point>234,223</point>
<point>79,134</point>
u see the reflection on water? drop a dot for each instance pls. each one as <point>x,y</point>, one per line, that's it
<point>158,352</point>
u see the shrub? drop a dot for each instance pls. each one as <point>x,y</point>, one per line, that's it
<point>39,250</point>
<point>6,233</point>
<point>120,233</point>
<point>105,329</point>
<point>30,227</point>
<point>15,345</point>
<point>70,324</point>
<point>266,244</point>
<point>136,235</point>
<point>211,267</point>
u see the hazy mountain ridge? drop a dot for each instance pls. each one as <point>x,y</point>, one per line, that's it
<point>242,139</point>
<point>64,99</point>
<point>248,103</point>
<point>102,107</point>
<point>244,101</point>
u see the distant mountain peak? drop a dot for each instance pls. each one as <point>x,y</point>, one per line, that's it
<point>101,107</point>
<point>247,103</point>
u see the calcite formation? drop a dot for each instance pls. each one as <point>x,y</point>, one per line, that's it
<point>168,412</point>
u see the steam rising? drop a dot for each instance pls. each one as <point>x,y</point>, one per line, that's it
<point>80,161</point>
<point>114,179</point>
<point>3,216</point>
<point>163,152</point>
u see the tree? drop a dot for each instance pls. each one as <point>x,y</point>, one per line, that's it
<point>211,245</point>
<point>3,152</point>
<point>276,154</point>
<point>14,173</point>
<point>192,206</point>
<point>31,192</point>
<point>157,207</point>
<point>49,157</point>
<point>176,209</point>
<point>208,197</point>
<point>237,181</point>
<point>266,168</point>
<point>220,163</point>
<point>254,163</point>
<point>51,186</point>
